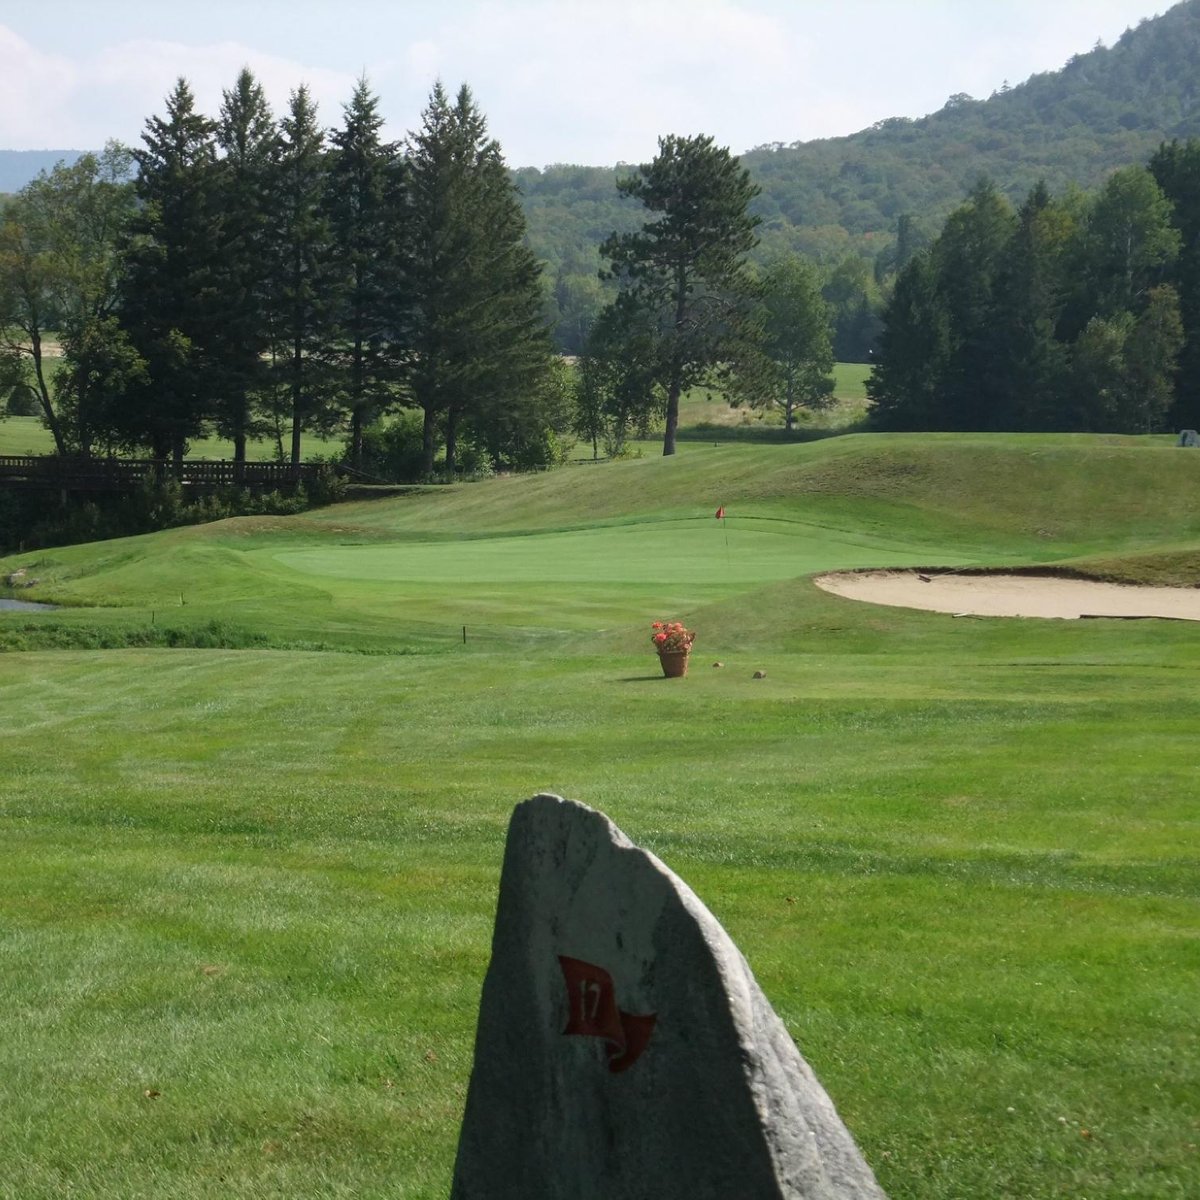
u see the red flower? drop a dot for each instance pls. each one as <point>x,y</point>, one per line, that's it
<point>671,636</point>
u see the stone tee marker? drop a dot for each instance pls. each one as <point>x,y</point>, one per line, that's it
<point>624,1050</point>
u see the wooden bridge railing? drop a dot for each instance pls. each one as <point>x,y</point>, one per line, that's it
<point>126,474</point>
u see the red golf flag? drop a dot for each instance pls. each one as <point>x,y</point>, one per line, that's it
<point>593,1012</point>
<point>721,512</point>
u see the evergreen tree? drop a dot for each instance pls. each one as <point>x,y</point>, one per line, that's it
<point>365,207</point>
<point>248,140</point>
<point>685,269</point>
<point>1176,168</point>
<point>905,387</point>
<point>853,298</point>
<point>1029,361</point>
<point>172,302</point>
<point>969,257</point>
<point>481,352</point>
<point>303,277</point>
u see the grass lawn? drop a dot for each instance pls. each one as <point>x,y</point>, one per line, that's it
<point>27,435</point>
<point>246,895</point>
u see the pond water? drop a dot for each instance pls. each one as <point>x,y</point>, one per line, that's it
<point>25,606</point>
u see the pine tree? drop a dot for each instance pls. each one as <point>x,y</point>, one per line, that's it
<point>248,139</point>
<point>685,268</point>
<point>481,353</point>
<point>365,207</point>
<point>304,269</point>
<point>1176,168</point>
<point>969,257</point>
<point>905,386</point>
<point>172,304</point>
<point>1031,287</point>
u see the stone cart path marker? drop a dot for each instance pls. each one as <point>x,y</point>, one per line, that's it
<point>624,1050</point>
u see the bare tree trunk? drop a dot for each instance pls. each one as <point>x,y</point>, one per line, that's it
<point>428,441</point>
<point>675,386</point>
<point>672,414</point>
<point>297,399</point>
<point>451,440</point>
<point>52,421</point>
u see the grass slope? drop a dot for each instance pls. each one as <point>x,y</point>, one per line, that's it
<point>246,896</point>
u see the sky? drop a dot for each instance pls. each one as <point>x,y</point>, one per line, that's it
<point>578,81</point>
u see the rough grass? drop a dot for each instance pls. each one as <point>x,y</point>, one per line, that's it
<point>246,894</point>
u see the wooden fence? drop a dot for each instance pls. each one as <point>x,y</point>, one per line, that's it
<point>56,473</point>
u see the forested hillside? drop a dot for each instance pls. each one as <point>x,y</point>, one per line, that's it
<point>827,199</point>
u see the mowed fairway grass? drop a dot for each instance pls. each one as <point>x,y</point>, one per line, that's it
<point>246,894</point>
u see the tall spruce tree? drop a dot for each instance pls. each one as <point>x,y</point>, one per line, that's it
<point>1029,361</point>
<point>481,351</point>
<point>906,380</point>
<point>364,198</point>
<point>969,257</point>
<point>172,302</point>
<point>303,287</point>
<point>1176,168</point>
<point>249,143</point>
<point>684,269</point>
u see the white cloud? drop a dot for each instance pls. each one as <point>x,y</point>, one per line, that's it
<point>591,81</point>
<point>46,100</point>
<point>35,95</point>
<point>608,76</point>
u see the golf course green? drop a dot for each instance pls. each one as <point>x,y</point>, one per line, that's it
<point>256,778</point>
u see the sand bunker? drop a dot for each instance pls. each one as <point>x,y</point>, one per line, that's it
<point>1013,595</point>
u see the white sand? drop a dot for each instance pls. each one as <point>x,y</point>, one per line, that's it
<point>1013,595</point>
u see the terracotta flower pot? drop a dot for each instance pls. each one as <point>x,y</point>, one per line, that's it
<point>674,662</point>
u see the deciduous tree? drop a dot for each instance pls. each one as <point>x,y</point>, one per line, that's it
<point>796,339</point>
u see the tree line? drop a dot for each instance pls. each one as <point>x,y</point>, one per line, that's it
<point>1072,313</point>
<point>262,277</point>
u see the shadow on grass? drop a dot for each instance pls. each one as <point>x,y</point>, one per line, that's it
<point>769,434</point>
<point>643,679</point>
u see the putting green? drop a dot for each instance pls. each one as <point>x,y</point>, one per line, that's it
<point>692,552</point>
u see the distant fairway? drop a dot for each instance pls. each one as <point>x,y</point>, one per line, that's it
<point>246,894</point>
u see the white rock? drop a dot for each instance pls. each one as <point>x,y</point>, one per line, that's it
<point>718,1105</point>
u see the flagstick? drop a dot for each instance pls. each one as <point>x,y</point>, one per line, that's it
<point>725,527</point>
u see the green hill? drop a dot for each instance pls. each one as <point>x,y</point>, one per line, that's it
<point>1106,108</point>
<point>615,540</point>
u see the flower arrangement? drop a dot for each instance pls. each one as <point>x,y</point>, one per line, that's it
<point>670,637</point>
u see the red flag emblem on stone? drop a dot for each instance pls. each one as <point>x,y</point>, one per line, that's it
<point>593,1012</point>
<point>721,513</point>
